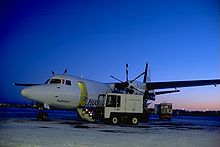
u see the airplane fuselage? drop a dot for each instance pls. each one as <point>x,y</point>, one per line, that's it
<point>66,91</point>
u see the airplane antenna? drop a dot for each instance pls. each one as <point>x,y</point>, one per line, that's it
<point>53,72</point>
<point>65,71</point>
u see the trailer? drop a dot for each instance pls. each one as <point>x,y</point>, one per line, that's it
<point>121,108</point>
<point>164,110</point>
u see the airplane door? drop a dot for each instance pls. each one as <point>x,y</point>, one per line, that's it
<point>83,94</point>
<point>82,112</point>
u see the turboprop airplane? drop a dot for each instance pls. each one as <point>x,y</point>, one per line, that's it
<point>65,91</point>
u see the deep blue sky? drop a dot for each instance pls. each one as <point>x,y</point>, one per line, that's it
<point>95,39</point>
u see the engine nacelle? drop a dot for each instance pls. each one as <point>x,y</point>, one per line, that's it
<point>149,96</point>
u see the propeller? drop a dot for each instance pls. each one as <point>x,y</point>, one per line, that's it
<point>126,85</point>
<point>128,88</point>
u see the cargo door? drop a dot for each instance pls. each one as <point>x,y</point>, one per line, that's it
<point>81,110</point>
<point>83,94</point>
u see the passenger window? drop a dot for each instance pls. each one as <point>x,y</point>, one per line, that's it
<point>68,82</point>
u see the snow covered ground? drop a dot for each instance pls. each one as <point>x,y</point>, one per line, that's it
<point>20,128</point>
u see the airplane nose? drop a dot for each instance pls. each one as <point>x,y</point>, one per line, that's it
<point>26,92</point>
<point>36,93</point>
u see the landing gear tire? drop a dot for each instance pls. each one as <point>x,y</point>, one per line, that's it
<point>134,120</point>
<point>114,120</point>
<point>42,116</point>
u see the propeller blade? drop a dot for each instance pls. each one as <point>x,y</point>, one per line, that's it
<point>126,72</point>
<point>145,73</point>
<point>137,77</point>
<point>116,79</point>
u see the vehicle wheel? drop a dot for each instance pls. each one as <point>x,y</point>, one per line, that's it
<point>134,120</point>
<point>42,116</point>
<point>114,120</point>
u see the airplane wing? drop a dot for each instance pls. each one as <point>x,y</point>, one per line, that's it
<point>21,84</point>
<point>176,84</point>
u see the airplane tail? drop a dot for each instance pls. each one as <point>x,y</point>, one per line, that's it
<point>149,73</point>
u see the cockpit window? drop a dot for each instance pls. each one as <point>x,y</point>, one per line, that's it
<point>55,81</point>
<point>68,82</point>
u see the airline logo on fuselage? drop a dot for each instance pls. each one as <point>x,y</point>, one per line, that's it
<point>95,103</point>
<point>62,101</point>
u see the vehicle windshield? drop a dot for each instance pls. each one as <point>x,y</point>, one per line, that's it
<point>55,81</point>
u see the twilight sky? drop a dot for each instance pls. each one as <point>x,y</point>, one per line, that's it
<point>95,39</point>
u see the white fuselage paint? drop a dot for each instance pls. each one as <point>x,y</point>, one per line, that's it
<point>65,96</point>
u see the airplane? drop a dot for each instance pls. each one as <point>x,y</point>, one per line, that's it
<point>64,91</point>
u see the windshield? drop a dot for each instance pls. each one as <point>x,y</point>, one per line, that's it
<point>55,81</point>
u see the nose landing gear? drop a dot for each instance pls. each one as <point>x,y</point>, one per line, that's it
<point>41,116</point>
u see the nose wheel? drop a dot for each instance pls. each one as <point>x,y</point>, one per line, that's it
<point>42,116</point>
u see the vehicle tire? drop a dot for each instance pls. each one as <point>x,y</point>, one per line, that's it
<point>134,120</point>
<point>114,120</point>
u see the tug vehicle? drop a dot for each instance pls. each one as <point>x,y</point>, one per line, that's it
<point>121,108</point>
